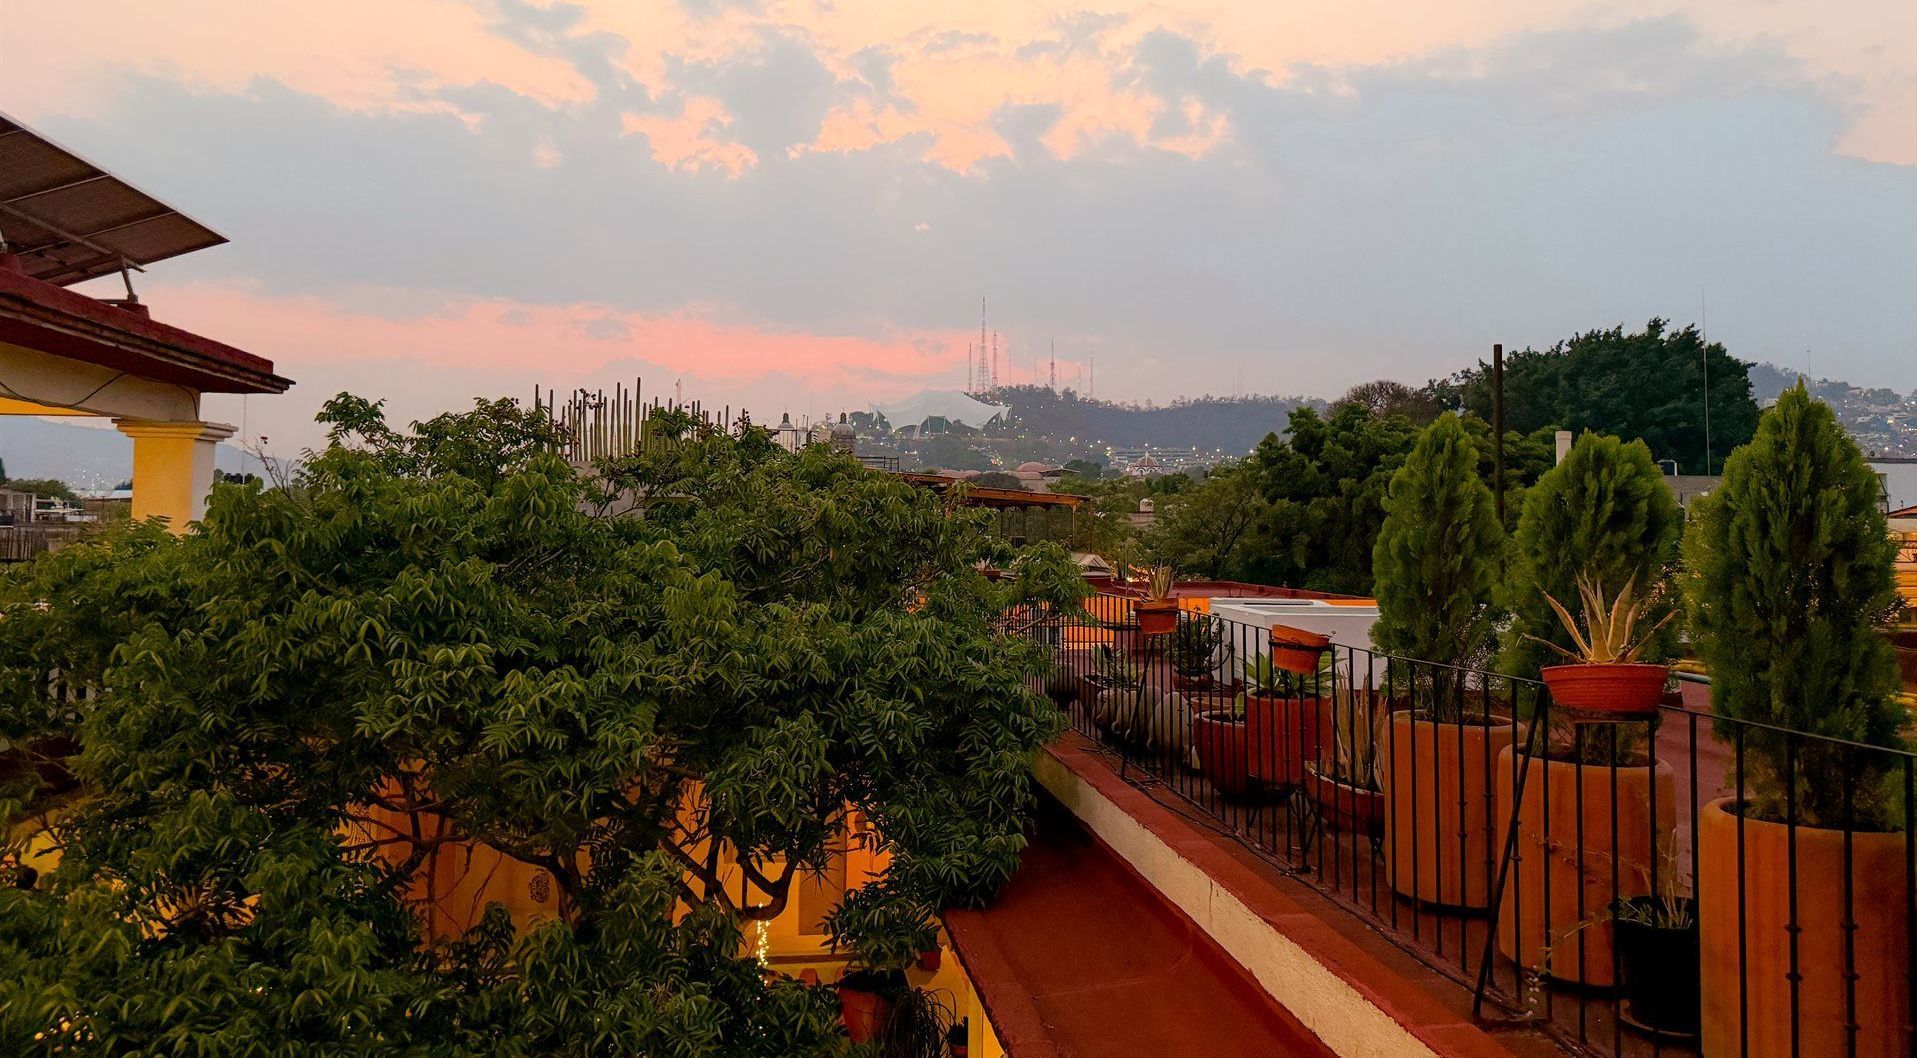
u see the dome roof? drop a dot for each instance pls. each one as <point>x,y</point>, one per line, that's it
<point>1033,466</point>
<point>1148,461</point>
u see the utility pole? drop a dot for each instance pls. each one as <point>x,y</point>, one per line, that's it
<point>1497,426</point>
<point>1704,328</point>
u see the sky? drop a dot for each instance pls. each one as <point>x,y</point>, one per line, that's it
<point>797,206</point>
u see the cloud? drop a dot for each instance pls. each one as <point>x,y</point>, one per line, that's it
<point>1192,215</point>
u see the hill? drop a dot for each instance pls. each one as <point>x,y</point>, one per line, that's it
<point>85,457</point>
<point>1228,424</point>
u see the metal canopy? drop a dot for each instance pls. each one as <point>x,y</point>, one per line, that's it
<point>70,221</point>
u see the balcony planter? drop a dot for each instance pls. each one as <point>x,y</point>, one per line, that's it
<point>1660,965</point>
<point>866,1000</point>
<point>1572,838</point>
<point>1874,926</point>
<point>1282,734</point>
<point>1156,617</point>
<point>1342,806</point>
<point>1219,738</point>
<point>1611,690</point>
<point>1442,834</point>
<point>931,959</point>
<point>1297,650</point>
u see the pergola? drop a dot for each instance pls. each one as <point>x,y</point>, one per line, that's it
<point>64,220</point>
<point>1002,500</point>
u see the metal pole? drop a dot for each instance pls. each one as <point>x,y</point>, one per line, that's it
<point>1497,427</point>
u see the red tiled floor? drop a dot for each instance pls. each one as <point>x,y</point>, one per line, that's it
<point>1079,958</point>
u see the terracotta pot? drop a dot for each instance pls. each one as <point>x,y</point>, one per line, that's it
<point>1608,690</point>
<point>1442,831</point>
<point>865,1014</point>
<point>1568,934</point>
<point>930,960</point>
<point>1283,734</point>
<point>1342,806</point>
<point>1297,650</point>
<point>1880,957</point>
<point>1220,741</point>
<point>1200,682</point>
<point>1157,617</point>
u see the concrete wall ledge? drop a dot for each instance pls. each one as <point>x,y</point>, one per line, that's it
<point>1351,998</point>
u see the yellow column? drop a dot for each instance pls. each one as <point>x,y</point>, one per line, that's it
<point>172,467</point>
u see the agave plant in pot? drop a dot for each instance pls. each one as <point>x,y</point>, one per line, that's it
<point>1157,612</point>
<point>1272,728</point>
<point>1605,679</point>
<point>1343,784</point>
<point>1195,652</point>
<point>1114,673</point>
<point>1595,807</point>
<point>1658,954</point>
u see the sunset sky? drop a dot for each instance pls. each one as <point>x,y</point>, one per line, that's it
<point>797,205</point>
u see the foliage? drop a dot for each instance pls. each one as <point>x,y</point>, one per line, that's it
<point>1384,397</point>
<point>451,631</point>
<point>1437,555</point>
<point>1606,513</point>
<point>1195,644</point>
<point>951,451</point>
<point>1646,385</point>
<point>1203,529</point>
<point>49,487</point>
<point>1158,582</point>
<point>1609,633</point>
<point>920,1025</point>
<point>1084,468</point>
<point>1789,578</point>
<point>1115,667</point>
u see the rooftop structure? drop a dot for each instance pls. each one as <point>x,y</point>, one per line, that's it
<point>64,220</point>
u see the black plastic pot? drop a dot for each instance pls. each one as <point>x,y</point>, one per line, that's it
<point>1661,972</point>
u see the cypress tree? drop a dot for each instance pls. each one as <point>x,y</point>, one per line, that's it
<point>1605,511</point>
<point>1436,558</point>
<point>1789,576</point>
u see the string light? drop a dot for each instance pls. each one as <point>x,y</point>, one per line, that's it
<point>761,949</point>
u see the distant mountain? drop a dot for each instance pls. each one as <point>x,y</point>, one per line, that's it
<point>85,457</point>
<point>1769,380</point>
<point>1229,424</point>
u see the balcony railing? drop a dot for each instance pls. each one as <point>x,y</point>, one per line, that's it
<point>1543,862</point>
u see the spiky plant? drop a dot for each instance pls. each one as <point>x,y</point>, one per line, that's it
<point>1607,635</point>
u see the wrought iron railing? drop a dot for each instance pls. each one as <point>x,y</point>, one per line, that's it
<point>1597,881</point>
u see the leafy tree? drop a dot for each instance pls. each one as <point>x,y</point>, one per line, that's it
<point>1789,579</point>
<point>43,487</point>
<point>1605,511</point>
<point>1437,555</point>
<point>947,451</point>
<point>1203,529</point>
<point>1647,385</point>
<point>665,685</point>
<point>995,479</point>
<point>1084,468</point>
<point>1386,397</point>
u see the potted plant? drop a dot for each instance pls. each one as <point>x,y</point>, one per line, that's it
<point>1658,956</point>
<point>867,998</point>
<point>1345,787</point>
<point>1801,889</point>
<point>1296,649</point>
<point>1434,568</point>
<point>1113,672</point>
<point>920,1026</point>
<point>1605,679</point>
<point>1195,652</point>
<point>1157,612</point>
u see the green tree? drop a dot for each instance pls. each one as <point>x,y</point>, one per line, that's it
<point>1436,558</point>
<point>1789,581</point>
<point>1605,511</point>
<point>1203,529</point>
<point>43,487</point>
<point>1646,385</point>
<point>547,662</point>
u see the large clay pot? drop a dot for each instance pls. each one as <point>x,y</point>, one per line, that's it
<point>1568,934</point>
<point>1876,887</point>
<point>1342,806</point>
<point>864,1014</point>
<point>1442,831</point>
<point>1283,734</point>
<point>1220,742</point>
<point>1612,690</point>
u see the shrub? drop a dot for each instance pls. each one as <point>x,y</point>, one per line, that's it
<point>1789,574</point>
<point>1605,513</point>
<point>1435,562</point>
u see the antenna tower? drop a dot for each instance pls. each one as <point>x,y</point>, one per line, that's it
<point>995,361</point>
<point>984,372</point>
<point>1054,365</point>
